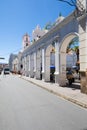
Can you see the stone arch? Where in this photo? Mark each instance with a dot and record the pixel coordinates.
(47, 62)
(63, 46)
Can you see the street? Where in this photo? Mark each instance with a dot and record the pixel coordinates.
(24, 106)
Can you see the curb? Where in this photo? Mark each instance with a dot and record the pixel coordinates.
(58, 94)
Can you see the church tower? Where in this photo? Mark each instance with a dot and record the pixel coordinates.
(26, 41)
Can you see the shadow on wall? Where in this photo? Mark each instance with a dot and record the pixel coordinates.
(83, 26)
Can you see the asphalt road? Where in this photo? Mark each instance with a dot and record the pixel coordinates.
(24, 106)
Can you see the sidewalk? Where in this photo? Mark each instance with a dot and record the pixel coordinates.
(71, 94)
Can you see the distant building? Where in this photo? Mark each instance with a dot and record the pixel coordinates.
(11, 58)
(3, 65)
(15, 65)
(15, 62)
(26, 41)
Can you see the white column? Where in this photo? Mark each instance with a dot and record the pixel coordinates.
(35, 62)
(29, 63)
(25, 62)
(23, 66)
(56, 58)
(83, 44)
(83, 53)
(42, 60)
(38, 62)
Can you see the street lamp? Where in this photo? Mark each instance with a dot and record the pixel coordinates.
(2, 58)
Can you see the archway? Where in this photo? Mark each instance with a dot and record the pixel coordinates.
(63, 47)
(49, 63)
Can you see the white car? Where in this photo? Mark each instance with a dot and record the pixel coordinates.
(6, 71)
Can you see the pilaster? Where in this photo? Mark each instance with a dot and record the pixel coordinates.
(43, 64)
(38, 64)
(83, 53)
(56, 60)
(34, 64)
(31, 65)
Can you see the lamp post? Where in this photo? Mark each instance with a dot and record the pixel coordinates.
(2, 58)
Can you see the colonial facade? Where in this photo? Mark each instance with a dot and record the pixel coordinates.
(11, 58)
(36, 58)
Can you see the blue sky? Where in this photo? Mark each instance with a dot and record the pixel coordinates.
(20, 16)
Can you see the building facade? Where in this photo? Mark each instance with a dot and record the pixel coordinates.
(36, 58)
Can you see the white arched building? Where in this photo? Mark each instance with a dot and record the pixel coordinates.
(36, 58)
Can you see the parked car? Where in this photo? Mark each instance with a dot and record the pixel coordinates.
(6, 71)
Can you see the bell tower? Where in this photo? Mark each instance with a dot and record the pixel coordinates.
(26, 41)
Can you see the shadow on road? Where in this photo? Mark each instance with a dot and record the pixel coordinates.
(84, 129)
(74, 86)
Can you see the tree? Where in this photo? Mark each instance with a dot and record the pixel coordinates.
(70, 2)
(74, 46)
(77, 4)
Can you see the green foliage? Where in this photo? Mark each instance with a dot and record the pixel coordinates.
(73, 45)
